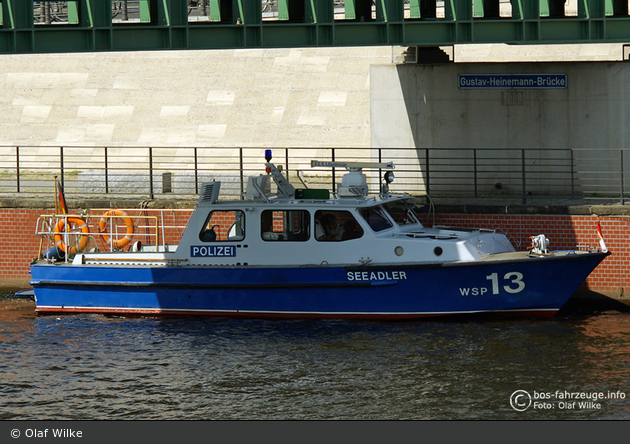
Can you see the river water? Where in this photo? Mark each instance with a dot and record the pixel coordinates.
(91, 367)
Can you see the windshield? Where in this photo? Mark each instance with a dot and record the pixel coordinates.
(376, 218)
(402, 212)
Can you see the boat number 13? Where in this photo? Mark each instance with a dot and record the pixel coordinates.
(514, 281)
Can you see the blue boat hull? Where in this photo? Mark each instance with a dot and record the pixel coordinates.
(525, 287)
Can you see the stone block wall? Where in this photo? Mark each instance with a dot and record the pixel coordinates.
(267, 97)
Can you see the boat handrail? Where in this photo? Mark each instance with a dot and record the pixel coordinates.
(431, 236)
(471, 230)
(132, 259)
(88, 216)
(149, 228)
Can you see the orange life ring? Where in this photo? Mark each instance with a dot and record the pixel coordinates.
(60, 230)
(128, 222)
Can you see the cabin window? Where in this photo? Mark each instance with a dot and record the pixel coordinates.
(402, 213)
(336, 226)
(376, 218)
(224, 226)
(285, 225)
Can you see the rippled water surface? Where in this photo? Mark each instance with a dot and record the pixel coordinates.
(95, 367)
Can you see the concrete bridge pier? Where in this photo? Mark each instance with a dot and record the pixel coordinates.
(548, 105)
(467, 105)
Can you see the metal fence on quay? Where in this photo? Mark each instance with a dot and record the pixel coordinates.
(152, 172)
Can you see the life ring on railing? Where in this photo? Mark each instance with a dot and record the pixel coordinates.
(128, 222)
(60, 230)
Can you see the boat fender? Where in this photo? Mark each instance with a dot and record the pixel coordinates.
(102, 225)
(54, 254)
(60, 229)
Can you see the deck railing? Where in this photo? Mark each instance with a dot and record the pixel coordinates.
(110, 230)
(152, 172)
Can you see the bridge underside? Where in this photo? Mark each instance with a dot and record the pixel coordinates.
(29, 26)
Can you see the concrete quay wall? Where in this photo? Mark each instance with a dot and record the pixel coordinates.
(222, 98)
(567, 227)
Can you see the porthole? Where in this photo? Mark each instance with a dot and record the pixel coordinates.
(399, 251)
(438, 251)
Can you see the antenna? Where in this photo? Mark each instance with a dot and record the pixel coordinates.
(352, 165)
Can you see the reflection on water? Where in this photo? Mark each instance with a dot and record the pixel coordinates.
(605, 345)
(16, 319)
(94, 367)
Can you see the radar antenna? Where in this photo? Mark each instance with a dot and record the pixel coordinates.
(354, 183)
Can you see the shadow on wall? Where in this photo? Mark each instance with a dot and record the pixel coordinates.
(443, 115)
(562, 141)
(574, 105)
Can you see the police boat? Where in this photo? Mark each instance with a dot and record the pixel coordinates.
(296, 253)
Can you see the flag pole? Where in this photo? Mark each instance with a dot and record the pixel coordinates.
(602, 244)
(56, 197)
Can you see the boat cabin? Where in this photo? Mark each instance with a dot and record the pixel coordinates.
(312, 227)
(286, 227)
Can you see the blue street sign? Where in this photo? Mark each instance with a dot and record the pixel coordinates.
(512, 81)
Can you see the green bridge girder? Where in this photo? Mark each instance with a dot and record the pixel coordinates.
(29, 26)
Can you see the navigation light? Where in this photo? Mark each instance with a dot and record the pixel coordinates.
(388, 177)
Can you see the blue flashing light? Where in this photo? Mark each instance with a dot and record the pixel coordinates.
(268, 155)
